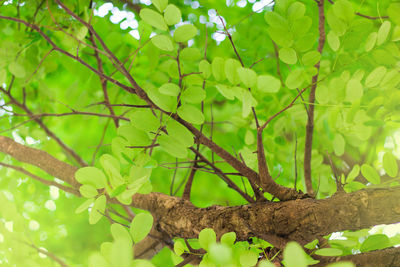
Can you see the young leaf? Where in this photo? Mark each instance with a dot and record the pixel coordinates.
(121, 253)
(205, 68)
(193, 94)
(88, 191)
(383, 32)
(190, 53)
(338, 145)
(375, 242)
(231, 66)
(228, 238)
(120, 232)
(153, 18)
(172, 14)
(160, 4)
(207, 237)
(343, 9)
(268, 84)
(294, 256)
(248, 258)
(311, 58)
(329, 252)
(84, 206)
(390, 164)
(374, 78)
(172, 146)
(180, 133)
(353, 173)
(226, 91)
(295, 79)
(170, 89)
(141, 226)
(288, 55)
(97, 209)
(145, 120)
(333, 41)
(393, 12)
(184, 33)
(296, 11)
(371, 41)
(248, 76)
(354, 90)
(17, 69)
(91, 176)
(163, 42)
(191, 114)
(218, 68)
(221, 254)
(370, 174)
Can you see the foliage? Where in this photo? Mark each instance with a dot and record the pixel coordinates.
(210, 103)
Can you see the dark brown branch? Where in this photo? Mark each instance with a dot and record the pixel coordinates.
(311, 100)
(369, 17)
(48, 254)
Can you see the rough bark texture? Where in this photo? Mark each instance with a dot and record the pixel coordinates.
(302, 220)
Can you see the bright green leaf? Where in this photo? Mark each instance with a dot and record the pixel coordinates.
(193, 94)
(226, 91)
(248, 76)
(184, 33)
(296, 11)
(248, 258)
(231, 66)
(153, 18)
(329, 252)
(172, 146)
(370, 174)
(375, 77)
(295, 79)
(163, 42)
(333, 41)
(218, 68)
(294, 256)
(207, 237)
(228, 238)
(88, 191)
(170, 89)
(390, 164)
(375, 242)
(268, 84)
(97, 211)
(84, 206)
(383, 32)
(288, 55)
(141, 226)
(311, 58)
(353, 173)
(160, 4)
(91, 176)
(205, 68)
(17, 69)
(338, 145)
(172, 14)
(220, 253)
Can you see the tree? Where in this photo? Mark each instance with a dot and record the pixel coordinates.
(226, 133)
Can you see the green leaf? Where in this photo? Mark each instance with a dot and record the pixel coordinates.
(179, 247)
(333, 41)
(371, 41)
(191, 114)
(207, 237)
(248, 101)
(338, 145)
(294, 256)
(337, 25)
(163, 42)
(274, 19)
(180, 133)
(160, 4)
(375, 77)
(153, 18)
(354, 90)
(343, 9)
(296, 11)
(121, 253)
(288, 55)
(96, 260)
(370, 174)
(218, 68)
(265, 263)
(193, 94)
(17, 69)
(220, 253)
(268, 84)
(172, 14)
(118, 190)
(88, 191)
(390, 164)
(142, 263)
(205, 68)
(281, 36)
(184, 33)
(353, 173)
(145, 120)
(383, 32)
(226, 91)
(190, 54)
(228, 238)
(84, 206)
(393, 11)
(312, 245)
(311, 58)
(91, 176)
(231, 66)
(329, 252)
(170, 89)
(248, 76)
(141, 226)
(120, 232)
(172, 146)
(375, 242)
(295, 79)
(98, 209)
(248, 258)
